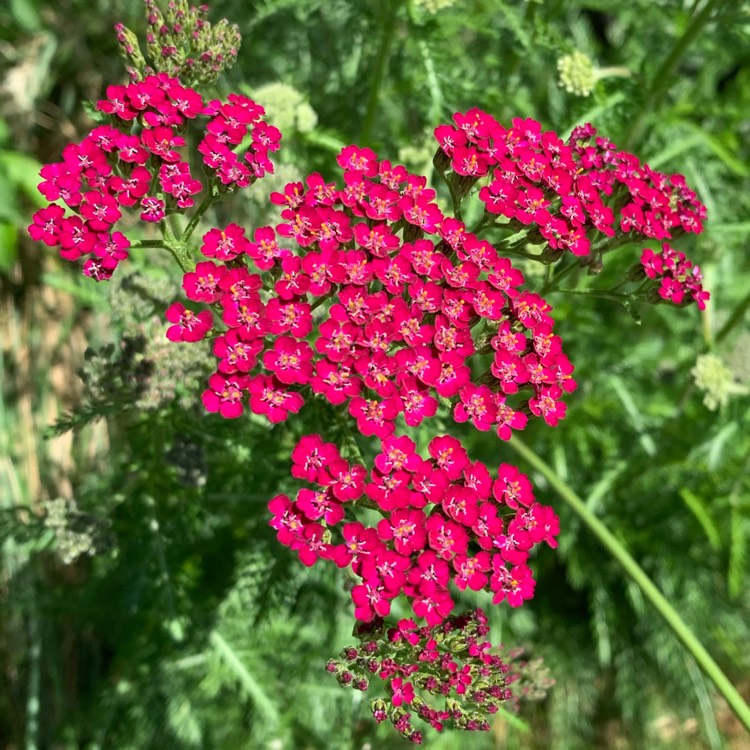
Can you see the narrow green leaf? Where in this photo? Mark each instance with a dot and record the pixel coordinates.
(680, 146)
(23, 172)
(252, 687)
(593, 113)
(737, 566)
(513, 720)
(26, 15)
(698, 508)
(738, 228)
(8, 246)
(737, 166)
(634, 413)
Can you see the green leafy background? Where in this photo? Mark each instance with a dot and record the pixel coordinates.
(189, 626)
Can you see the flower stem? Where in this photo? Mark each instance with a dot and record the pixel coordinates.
(139, 244)
(198, 215)
(178, 248)
(737, 315)
(637, 574)
(558, 277)
(381, 63)
(661, 79)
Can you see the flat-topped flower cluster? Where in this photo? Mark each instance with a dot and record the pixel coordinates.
(138, 162)
(412, 297)
(444, 520)
(564, 188)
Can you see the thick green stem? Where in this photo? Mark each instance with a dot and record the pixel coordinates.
(381, 64)
(647, 586)
(662, 78)
(178, 248)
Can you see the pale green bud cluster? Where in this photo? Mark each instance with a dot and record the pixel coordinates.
(716, 381)
(286, 108)
(182, 43)
(577, 73)
(74, 534)
(434, 6)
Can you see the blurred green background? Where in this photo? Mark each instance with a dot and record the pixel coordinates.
(145, 604)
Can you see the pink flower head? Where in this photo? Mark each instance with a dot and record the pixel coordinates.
(225, 244)
(371, 599)
(358, 159)
(375, 417)
(432, 602)
(320, 504)
(202, 285)
(478, 405)
(287, 520)
(47, 225)
(449, 455)
(224, 395)
(516, 585)
(348, 481)
(407, 530)
(403, 692)
(398, 453)
(446, 537)
(512, 488)
(188, 326)
(471, 572)
(290, 360)
(270, 397)
(311, 457)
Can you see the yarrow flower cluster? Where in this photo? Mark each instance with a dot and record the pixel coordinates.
(679, 280)
(445, 676)
(410, 314)
(571, 192)
(137, 162)
(444, 520)
(368, 296)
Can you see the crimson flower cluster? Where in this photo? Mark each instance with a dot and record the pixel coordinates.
(569, 191)
(444, 519)
(415, 297)
(447, 675)
(136, 162)
(679, 280)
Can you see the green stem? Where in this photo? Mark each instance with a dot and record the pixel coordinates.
(178, 248)
(637, 574)
(614, 296)
(140, 244)
(558, 277)
(661, 79)
(198, 215)
(737, 315)
(381, 64)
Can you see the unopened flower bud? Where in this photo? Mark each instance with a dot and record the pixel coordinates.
(716, 381)
(577, 75)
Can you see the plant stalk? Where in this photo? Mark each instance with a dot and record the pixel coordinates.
(661, 79)
(678, 626)
(381, 64)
